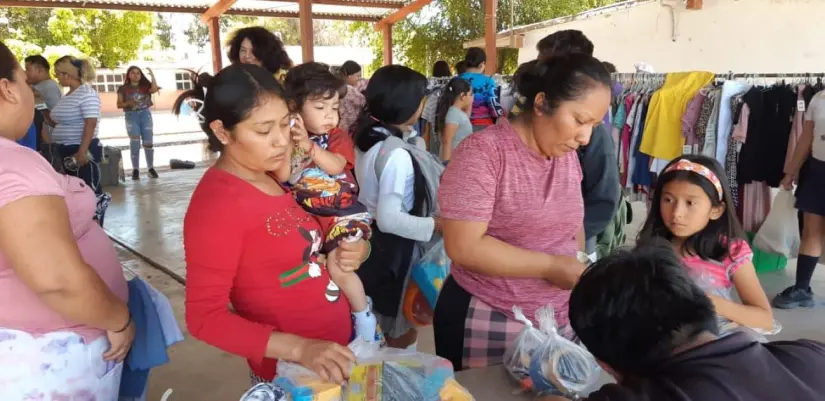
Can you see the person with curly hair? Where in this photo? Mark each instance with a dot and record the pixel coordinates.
(258, 46)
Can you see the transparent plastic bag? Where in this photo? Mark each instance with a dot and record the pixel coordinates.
(518, 355)
(780, 231)
(556, 366)
(430, 272)
(386, 374)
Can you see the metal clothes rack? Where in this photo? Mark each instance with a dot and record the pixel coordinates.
(728, 75)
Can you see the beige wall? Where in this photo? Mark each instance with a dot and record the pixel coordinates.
(727, 35)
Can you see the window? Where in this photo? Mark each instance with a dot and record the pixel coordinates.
(108, 82)
(183, 81)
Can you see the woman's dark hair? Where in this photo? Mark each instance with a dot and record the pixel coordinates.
(609, 67)
(460, 67)
(229, 96)
(562, 43)
(393, 96)
(712, 243)
(441, 69)
(475, 57)
(8, 63)
(144, 83)
(265, 46)
(310, 80)
(349, 67)
(454, 89)
(561, 79)
(633, 309)
(39, 61)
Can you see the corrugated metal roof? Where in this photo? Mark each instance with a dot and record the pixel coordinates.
(364, 10)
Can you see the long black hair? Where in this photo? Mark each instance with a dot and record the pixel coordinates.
(265, 46)
(454, 89)
(8, 63)
(229, 96)
(713, 242)
(560, 79)
(393, 96)
(143, 83)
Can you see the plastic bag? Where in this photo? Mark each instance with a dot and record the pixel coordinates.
(780, 231)
(554, 366)
(385, 374)
(430, 272)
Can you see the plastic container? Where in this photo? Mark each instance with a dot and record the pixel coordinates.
(764, 261)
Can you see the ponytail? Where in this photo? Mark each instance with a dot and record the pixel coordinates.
(452, 91)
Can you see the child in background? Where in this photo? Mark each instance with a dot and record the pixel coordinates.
(693, 209)
(452, 115)
(486, 104)
(320, 175)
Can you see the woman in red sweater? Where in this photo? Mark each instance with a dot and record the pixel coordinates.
(250, 244)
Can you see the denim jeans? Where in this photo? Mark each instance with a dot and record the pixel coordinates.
(140, 127)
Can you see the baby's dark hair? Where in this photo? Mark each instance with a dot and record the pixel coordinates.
(712, 243)
(229, 96)
(561, 79)
(452, 91)
(312, 80)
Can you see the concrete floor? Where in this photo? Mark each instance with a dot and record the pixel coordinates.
(147, 217)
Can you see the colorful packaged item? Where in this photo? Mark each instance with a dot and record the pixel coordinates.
(387, 374)
(416, 308)
(544, 362)
(430, 272)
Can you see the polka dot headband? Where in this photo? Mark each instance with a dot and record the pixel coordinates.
(687, 165)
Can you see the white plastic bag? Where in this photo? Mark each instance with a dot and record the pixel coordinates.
(780, 231)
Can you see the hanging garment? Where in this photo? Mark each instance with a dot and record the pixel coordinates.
(635, 138)
(734, 146)
(763, 155)
(725, 124)
(756, 199)
(702, 122)
(641, 171)
(664, 118)
(691, 118)
(796, 126)
(709, 149)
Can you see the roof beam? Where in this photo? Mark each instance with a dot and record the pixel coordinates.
(220, 7)
(399, 15)
(174, 9)
(358, 3)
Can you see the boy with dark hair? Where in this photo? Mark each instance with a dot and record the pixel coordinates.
(600, 170)
(654, 330)
(321, 179)
(47, 94)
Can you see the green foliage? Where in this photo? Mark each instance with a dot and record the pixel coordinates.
(22, 49)
(52, 53)
(439, 31)
(163, 32)
(111, 37)
(27, 24)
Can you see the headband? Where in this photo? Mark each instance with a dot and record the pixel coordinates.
(687, 165)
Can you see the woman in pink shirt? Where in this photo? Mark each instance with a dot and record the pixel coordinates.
(512, 211)
(64, 324)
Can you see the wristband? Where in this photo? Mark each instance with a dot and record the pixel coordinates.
(128, 323)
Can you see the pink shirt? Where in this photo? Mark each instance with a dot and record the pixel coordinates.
(528, 201)
(719, 275)
(24, 173)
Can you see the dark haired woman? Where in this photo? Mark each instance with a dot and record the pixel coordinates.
(135, 98)
(258, 46)
(486, 106)
(452, 116)
(249, 243)
(352, 102)
(64, 324)
(398, 180)
(441, 69)
(512, 210)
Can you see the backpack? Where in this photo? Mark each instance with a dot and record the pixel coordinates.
(613, 237)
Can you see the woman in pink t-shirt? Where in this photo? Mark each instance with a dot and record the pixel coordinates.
(513, 213)
(64, 324)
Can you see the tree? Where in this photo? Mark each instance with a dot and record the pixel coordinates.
(163, 32)
(111, 37)
(26, 24)
(197, 33)
(439, 31)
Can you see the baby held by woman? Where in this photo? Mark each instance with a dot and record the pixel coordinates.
(320, 176)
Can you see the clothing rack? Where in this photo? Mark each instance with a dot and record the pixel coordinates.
(728, 75)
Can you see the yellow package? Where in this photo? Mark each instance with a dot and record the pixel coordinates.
(321, 390)
(365, 382)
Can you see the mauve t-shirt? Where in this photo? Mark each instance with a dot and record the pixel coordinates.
(527, 200)
(24, 173)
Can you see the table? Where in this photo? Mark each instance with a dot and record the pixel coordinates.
(493, 384)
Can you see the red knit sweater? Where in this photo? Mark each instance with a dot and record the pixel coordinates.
(259, 253)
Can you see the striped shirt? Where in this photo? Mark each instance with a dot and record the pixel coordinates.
(71, 112)
(527, 200)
